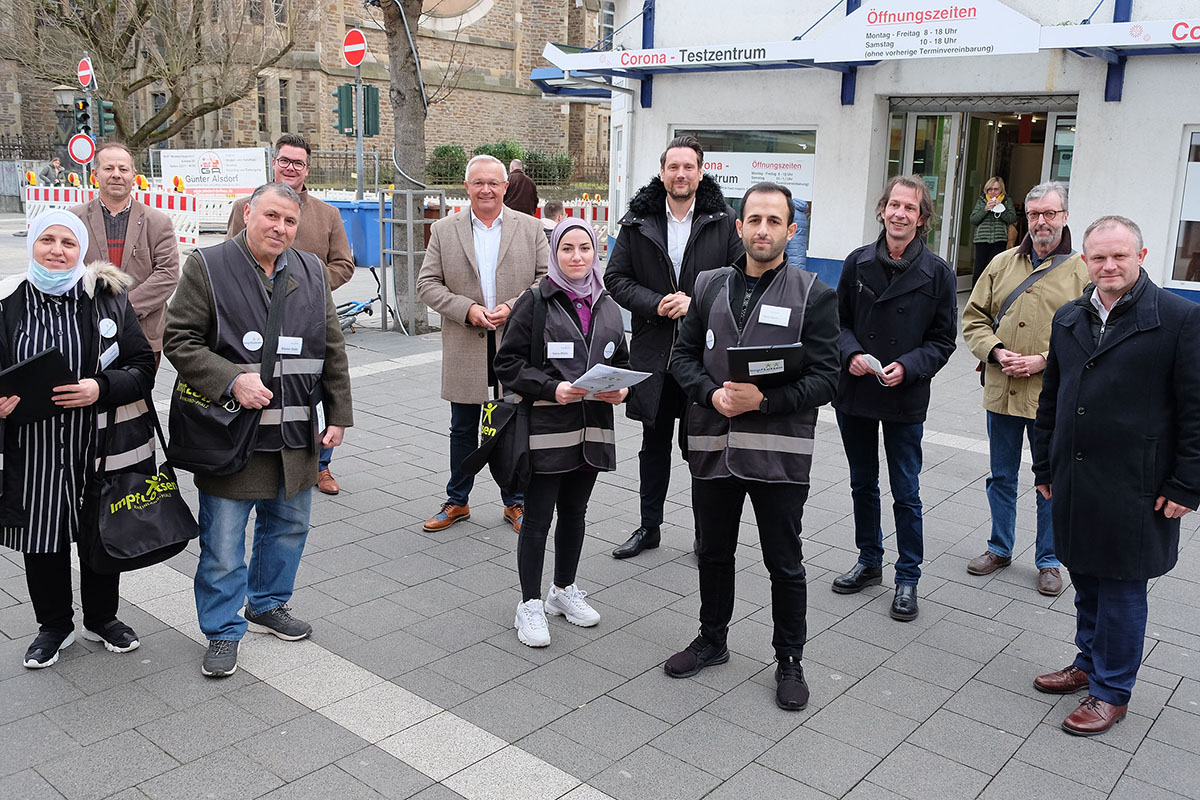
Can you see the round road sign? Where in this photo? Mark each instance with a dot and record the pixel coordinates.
(354, 47)
(81, 148)
(84, 71)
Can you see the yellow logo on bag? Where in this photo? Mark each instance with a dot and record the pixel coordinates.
(487, 428)
(189, 395)
(157, 486)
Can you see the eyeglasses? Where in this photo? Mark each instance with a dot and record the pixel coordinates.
(493, 185)
(288, 163)
(1049, 216)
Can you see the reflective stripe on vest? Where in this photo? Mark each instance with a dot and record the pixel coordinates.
(550, 441)
(278, 416)
(293, 366)
(125, 429)
(747, 440)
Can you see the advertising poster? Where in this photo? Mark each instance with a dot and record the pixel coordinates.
(223, 173)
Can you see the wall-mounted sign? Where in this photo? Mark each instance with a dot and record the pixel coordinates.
(228, 172)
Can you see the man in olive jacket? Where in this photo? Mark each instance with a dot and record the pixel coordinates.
(1117, 447)
(216, 344)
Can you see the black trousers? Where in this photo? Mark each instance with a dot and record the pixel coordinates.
(778, 508)
(569, 492)
(984, 253)
(654, 459)
(48, 576)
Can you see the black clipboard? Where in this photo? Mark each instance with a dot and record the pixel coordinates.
(765, 367)
(33, 380)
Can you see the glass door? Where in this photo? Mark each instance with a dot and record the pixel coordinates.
(932, 152)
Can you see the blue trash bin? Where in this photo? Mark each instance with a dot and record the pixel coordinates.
(361, 220)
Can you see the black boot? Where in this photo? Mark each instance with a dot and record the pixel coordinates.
(904, 605)
(857, 579)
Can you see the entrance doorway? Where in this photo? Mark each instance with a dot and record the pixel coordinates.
(957, 151)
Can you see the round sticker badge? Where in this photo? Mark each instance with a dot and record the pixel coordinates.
(709, 339)
(609, 349)
(253, 340)
(108, 328)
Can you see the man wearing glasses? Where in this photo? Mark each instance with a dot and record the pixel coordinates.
(1006, 324)
(321, 233)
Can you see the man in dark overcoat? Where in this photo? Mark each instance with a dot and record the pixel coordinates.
(1117, 449)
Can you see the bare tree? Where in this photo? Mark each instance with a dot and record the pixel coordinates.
(203, 55)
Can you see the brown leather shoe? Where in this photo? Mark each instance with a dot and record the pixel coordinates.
(1049, 582)
(1065, 681)
(513, 515)
(1093, 717)
(449, 515)
(326, 483)
(987, 563)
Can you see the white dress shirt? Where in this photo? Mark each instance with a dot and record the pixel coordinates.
(487, 252)
(678, 233)
(1104, 312)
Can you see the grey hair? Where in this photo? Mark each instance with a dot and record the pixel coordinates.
(1043, 189)
(1114, 221)
(281, 189)
(485, 158)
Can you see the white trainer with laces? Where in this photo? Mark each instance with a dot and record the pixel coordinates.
(531, 624)
(569, 603)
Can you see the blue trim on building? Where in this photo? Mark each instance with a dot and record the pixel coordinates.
(829, 270)
(1186, 294)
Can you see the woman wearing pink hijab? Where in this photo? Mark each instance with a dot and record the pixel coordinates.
(571, 434)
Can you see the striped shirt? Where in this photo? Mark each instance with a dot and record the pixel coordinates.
(115, 228)
(55, 450)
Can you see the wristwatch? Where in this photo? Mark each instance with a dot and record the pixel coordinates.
(762, 407)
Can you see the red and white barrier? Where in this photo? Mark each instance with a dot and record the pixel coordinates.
(594, 212)
(181, 208)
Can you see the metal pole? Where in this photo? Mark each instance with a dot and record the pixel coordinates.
(383, 259)
(358, 130)
(409, 213)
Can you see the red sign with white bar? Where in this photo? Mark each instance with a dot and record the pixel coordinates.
(81, 148)
(84, 72)
(354, 47)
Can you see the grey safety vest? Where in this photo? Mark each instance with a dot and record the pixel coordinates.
(565, 437)
(125, 432)
(775, 448)
(240, 303)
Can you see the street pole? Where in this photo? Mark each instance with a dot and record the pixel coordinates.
(359, 116)
(92, 112)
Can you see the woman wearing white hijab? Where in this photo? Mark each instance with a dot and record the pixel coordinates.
(61, 303)
(571, 438)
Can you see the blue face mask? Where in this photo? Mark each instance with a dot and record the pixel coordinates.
(53, 281)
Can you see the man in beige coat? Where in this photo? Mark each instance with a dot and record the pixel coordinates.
(138, 239)
(477, 264)
(1015, 352)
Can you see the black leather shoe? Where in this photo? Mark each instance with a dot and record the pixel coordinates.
(642, 539)
(904, 605)
(858, 579)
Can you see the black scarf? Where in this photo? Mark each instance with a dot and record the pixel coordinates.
(894, 266)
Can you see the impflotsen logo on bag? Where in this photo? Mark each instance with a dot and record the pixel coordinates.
(488, 428)
(187, 394)
(157, 488)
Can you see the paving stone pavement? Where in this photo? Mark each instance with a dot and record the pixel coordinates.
(414, 684)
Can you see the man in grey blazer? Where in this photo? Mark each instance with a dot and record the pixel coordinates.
(477, 264)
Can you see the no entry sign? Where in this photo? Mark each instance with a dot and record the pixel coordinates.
(81, 148)
(354, 47)
(84, 71)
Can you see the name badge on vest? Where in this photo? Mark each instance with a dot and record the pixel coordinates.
(290, 345)
(775, 315)
(109, 355)
(560, 350)
(252, 341)
(709, 339)
(609, 349)
(108, 328)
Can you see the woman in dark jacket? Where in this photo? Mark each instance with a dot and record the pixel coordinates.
(571, 438)
(85, 313)
(992, 215)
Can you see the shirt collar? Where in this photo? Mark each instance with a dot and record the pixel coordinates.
(686, 217)
(476, 222)
(128, 206)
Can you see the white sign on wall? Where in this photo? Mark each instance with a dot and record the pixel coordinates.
(883, 30)
(225, 172)
(737, 172)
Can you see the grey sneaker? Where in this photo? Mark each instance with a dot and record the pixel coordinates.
(279, 621)
(221, 658)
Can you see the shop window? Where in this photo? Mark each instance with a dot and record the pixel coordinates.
(263, 125)
(604, 24)
(283, 105)
(1187, 247)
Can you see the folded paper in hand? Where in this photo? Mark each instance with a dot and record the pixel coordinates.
(603, 378)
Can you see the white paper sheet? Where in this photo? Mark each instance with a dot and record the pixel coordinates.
(603, 378)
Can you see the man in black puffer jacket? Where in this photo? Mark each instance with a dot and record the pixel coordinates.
(678, 225)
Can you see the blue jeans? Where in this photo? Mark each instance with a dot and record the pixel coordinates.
(464, 440)
(1110, 631)
(324, 459)
(1004, 443)
(223, 582)
(902, 445)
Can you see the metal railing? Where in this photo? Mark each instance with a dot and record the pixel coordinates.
(404, 273)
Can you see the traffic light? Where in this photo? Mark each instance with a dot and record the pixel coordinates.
(108, 119)
(370, 111)
(345, 108)
(83, 116)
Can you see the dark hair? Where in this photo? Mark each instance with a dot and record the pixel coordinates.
(1113, 221)
(293, 140)
(112, 146)
(276, 187)
(766, 187)
(683, 141)
(915, 183)
(552, 209)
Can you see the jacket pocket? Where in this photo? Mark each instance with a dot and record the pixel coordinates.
(1149, 466)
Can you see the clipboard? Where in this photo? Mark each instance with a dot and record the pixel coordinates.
(772, 365)
(33, 380)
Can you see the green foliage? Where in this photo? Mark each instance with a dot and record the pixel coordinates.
(506, 151)
(565, 165)
(540, 167)
(447, 164)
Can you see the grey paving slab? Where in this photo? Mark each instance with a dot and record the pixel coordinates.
(107, 713)
(106, 767)
(329, 781)
(1015, 713)
(224, 775)
(385, 773)
(650, 774)
(511, 711)
(564, 752)
(299, 746)
(1166, 767)
(202, 729)
(756, 780)
(712, 744)
(31, 741)
(27, 785)
(916, 773)
(902, 694)
(819, 761)
(966, 741)
(570, 680)
(669, 699)
(862, 725)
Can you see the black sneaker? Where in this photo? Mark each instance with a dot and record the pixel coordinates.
(699, 654)
(220, 659)
(46, 647)
(279, 621)
(116, 635)
(791, 690)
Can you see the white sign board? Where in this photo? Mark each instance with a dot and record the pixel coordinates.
(737, 172)
(227, 172)
(882, 30)
(1147, 33)
(685, 56)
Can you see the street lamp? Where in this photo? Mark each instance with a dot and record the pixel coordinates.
(64, 96)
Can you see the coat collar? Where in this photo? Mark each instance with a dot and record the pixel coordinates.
(921, 272)
(1142, 316)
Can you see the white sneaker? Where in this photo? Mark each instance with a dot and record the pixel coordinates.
(569, 603)
(531, 624)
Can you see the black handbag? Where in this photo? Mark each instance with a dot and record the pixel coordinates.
(212, 438)
(131, 519)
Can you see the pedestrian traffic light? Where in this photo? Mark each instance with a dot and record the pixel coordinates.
(370, 111)
(83, 116)
(108, 119)
(344, 108)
